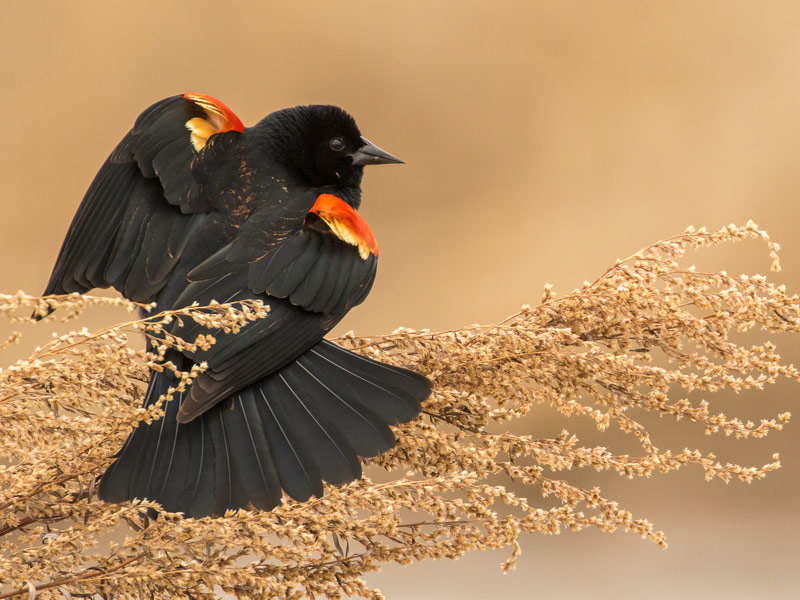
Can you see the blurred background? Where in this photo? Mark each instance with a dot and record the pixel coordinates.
(543, 141)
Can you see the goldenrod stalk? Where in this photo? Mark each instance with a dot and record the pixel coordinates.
(645, 334)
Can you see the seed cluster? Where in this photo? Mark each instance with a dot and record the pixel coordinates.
(649, 334)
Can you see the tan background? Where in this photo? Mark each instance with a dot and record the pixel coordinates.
(543, 140)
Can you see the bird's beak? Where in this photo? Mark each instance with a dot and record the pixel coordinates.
(370, 154)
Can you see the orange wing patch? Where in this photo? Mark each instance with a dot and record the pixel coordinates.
(346, 223)
(220, 119)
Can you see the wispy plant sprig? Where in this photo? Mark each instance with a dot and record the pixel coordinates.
(648, 336)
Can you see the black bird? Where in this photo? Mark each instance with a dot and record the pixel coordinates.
(192, 206)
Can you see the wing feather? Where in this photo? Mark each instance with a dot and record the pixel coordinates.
(142, 207)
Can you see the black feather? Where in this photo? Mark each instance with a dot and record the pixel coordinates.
(298, 474)
(255, 474)
(312, 280)
(265, 271)
(329, 448)
(294, 272)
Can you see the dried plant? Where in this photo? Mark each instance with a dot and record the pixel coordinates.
(644, 335)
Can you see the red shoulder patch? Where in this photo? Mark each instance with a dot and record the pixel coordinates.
(346, 223)
(220, 119)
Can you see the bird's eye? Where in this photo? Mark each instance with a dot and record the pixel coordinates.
(337, 144)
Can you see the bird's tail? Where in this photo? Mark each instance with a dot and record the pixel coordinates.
(308, 422)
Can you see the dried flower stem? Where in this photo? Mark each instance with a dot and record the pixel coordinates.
(645, 335)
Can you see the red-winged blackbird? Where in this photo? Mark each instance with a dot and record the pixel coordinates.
(192, 206)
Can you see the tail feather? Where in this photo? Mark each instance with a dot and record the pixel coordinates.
(329, 449)
(366, 432)
(169, 457)
(222, 474)
(393, 393)
(253, 463)
(200, 501)
(307, 423)
(297, 472)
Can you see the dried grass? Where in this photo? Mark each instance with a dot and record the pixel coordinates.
(644, 335)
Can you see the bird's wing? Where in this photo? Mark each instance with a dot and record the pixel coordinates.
(316, 251)
(146, 200)
(310, 280)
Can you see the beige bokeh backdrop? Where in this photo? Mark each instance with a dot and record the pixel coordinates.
(543, 141)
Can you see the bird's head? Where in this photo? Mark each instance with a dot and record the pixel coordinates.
(319, 146)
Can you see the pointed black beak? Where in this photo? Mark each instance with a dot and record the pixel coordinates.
(370, 154)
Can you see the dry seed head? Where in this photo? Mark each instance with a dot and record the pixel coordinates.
(646, 334)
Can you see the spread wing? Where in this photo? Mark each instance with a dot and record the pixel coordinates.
(146, 200)
(310, 280)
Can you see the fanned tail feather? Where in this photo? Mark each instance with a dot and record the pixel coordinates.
(306, 423)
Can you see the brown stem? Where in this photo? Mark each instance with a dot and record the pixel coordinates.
(84, 576)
